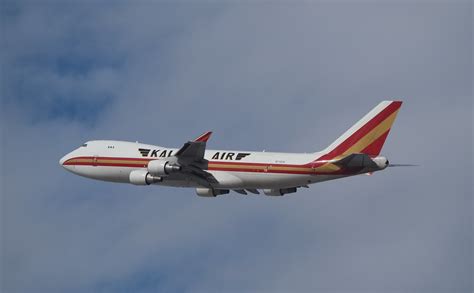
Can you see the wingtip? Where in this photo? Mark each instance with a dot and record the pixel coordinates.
(204, 137)
(399, 102)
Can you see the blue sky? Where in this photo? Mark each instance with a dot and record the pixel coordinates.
(275, 76)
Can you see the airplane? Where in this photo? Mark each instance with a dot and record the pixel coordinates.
(217, 172)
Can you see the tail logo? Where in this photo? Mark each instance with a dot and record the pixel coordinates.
(368, 135)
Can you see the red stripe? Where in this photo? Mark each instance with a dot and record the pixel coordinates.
(253, 164)
(338, 172)
(361, 132)
(376, 146)
(107, 158)
(107, 164)
(68, 162)
(144, 162)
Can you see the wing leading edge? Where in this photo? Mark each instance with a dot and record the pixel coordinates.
(191, 159)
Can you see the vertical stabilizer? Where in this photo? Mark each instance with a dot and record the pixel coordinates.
(368, 135)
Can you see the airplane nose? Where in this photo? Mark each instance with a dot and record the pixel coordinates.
(62, 160)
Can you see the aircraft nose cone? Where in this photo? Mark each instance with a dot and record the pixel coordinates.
(62, 160)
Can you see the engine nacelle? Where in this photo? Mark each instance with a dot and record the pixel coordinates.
(210, 192)
(143, 177)
(162, 168)
(381, 162)
(279, 192)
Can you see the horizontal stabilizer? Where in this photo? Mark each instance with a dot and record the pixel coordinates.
(356, 161)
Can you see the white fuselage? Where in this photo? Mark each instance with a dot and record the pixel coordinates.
(114, 160)
(215, 172)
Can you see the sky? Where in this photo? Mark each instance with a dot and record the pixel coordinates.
(280, 76)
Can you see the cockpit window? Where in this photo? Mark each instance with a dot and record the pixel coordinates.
(84, 145)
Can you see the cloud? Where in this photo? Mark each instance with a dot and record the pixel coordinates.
(275, 76)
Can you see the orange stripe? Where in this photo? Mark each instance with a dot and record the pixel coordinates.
(216, 166)
(363, 131)
(371, 136)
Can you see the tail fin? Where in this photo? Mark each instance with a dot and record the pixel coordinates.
(368, 135)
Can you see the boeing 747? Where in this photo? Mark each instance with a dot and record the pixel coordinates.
(216, 172)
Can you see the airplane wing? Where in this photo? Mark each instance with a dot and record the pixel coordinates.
(191, 159)
(194, 150)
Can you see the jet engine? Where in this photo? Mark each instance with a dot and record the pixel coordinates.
(279, 192)
(142, 177)
(162, 168)
(210, 192)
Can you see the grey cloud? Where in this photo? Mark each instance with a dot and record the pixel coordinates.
(286, 77)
